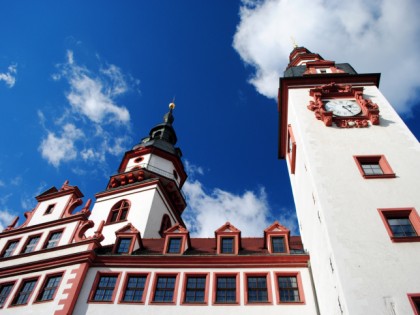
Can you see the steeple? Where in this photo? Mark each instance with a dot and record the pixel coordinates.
(163, 135)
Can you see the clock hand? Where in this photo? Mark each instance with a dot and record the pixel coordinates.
(345, 106)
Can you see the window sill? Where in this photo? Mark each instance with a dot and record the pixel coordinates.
(406, 239)
(379, 176)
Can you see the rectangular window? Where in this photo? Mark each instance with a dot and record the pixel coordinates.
(10, 248)
(174, 246)
(123, 245)
(49, 288)
(49, 209)
(402, 225)
(227, 245)
(105, 288)
(53, 239)
(31, 244)
(257, 289)
(374, 166)
(5, 290)
(277, 245)
(195, 289)
(288, 289)
(24, 293)
(164, 290)
(226, 289)
(134, 289)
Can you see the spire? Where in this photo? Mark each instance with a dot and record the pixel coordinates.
(162, 135)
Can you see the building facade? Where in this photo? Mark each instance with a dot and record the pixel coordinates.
(353, 167)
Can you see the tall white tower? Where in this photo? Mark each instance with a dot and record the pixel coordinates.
(146, 190)
(355, 173)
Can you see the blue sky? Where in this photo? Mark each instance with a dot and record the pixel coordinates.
(82, 82)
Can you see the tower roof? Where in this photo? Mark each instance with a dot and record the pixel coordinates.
(162, 135)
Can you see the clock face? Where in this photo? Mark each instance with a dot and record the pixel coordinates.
(343, 108)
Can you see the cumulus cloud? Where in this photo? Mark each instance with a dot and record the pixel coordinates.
(6, 217)
(374, 36)
(9, 77)
(207, 211)
(56, 149)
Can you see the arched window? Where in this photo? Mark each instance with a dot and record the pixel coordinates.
(166, 224)
(119, 211)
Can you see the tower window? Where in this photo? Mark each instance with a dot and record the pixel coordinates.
(174, 245)
(24, 293)
(227, 245)
(257, 289)
(53, 239)
(374, 166)
(49, 288)
(5, 290)
(49, 209)
(10, 248)
(277, 245)
(119, 211)
(31, 244)
(226, 289)
(195, 289)
(288, 289)
(164, 290)
(402, 225)
(134, 289)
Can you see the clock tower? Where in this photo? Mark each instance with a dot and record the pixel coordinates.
(354, 168)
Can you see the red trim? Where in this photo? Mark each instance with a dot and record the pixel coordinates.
(414, 299)
(310, 81)
(119, 207)
(379, 159)
(175, 293)
(74, 286)
(44, 283)
(124, 287)
(10, 293)
(269, 288)
(238, 287)
(22, 283)
(299, 284)
(409, 213)
(96, 283)
(206, 288)
(291, 149)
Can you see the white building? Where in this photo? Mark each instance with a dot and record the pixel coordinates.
(353, 166)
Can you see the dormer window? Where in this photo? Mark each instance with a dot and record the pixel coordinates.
(277, 244)
(177, 240)
(174, 246)
(276, 239)
(127, 240)
(119, 211)
(228, 239)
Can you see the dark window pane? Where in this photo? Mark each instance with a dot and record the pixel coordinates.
(164, 289)
(124, 245)
(195, 289)
(25, 291)
(226, 290)
(50, 288)
(257, 289)
(227, 245)
(134, 289)
(174, 246)
(105, 288)
(10, 248)
(401, 227)
(288, 287)
(53, 240)
(4, 293)
(278, 244)
(30, 246)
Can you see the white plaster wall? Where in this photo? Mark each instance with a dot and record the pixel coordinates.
(39, 216)
(68, 231)
(33, 307)
(102, 309)
(337, 209)
(131, 163)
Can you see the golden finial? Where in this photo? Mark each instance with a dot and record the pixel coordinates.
(172, 104)
(293, 42)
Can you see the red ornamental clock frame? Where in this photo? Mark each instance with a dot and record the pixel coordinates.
(370, 110)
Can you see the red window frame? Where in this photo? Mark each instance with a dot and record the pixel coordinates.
(96, 284)
(125, 288)
(19, 291)
(374, 159)
(206, 288)
(28, 240)
(44, 287)
(6, 247)
(414, 299)
(175, 289)
(299, 287)
(48, 239)
(291, 149)
(117, 210)
(237, 288)
(409, 213)
(268, 288)
(6, 297)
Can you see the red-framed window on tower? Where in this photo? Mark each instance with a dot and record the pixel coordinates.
(401, 224)
(373, 166)
(119, 212)
(414, 299)
(291, 149)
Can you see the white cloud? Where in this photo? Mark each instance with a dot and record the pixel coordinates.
(207, 212)
(57, 149)
(93, 97)
(9, 77)
(2, 183)
(6, 217)
(374, 36)
(192, 169)
(27, 201)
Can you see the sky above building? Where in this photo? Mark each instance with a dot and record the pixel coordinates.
(81, 82)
